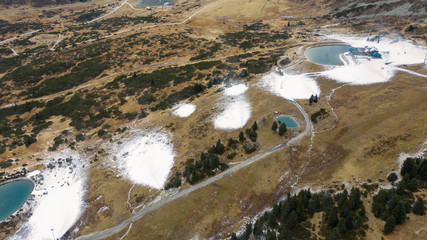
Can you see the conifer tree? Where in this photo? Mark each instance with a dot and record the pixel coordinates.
(419, 207)
(390, 225)
(242, 136)
(282, 129)
(274, 126)
(255, 126)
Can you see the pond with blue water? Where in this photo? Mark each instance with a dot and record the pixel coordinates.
(327, 54)
(289, 121)
(13, 195)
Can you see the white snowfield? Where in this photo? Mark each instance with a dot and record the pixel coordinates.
(290, 86)
(184, 110)
(236, 90)
(394, 53)
(374, 71)
(145, 158)
(59, 200)
(237, 110)
(399, 51)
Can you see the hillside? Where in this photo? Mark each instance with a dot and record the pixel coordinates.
(160, 122)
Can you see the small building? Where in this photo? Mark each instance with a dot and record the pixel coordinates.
(365, 51)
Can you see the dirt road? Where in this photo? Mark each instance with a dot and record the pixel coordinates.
(110, 231)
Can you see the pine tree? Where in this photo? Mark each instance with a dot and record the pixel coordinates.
(390, 225)
(219, 148)
(248, 231)
(292, 220)
(258, 227)
(311, 99)
(255, 126)
(333, 217)
(409, 168)
(392, 177)
(282, 129)
(334, 234)
(419, 207)
(274, 127)
(422, 171)
(242, 136)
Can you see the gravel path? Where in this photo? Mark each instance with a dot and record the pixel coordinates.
(110, 231)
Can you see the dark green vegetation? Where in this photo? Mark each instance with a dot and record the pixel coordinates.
(260, 65)
(393, 205)
(249, 39)
(315, 117)
(6, 163)
(79, 74)
(282, 128)
(18, 28)
(87, 16)
(149, 83)
(354, 9)
(210, 161)
(38, 72)
(343, 214)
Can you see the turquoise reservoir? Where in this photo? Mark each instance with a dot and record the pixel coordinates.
(289, 121)
(13, 195)
(326, 54)
(146, 3)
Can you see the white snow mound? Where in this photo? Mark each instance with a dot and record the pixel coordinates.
(364, 73)
(59, 201)
(184, 110)
(146, 159)
(395, 52)
(290, 86)
(236, 90)
(235, 115)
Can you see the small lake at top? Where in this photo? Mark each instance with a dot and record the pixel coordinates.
(13, 195)
(146, 3)
(327, 54)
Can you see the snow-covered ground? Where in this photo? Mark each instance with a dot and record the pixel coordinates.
(145, 158)
(290, 86)
(399, 52)
(236, 90)
(59, 198)
(237, 109)
(369, 72)
(184, 110)
(394, 53)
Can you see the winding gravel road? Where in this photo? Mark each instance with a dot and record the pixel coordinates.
(110, 231)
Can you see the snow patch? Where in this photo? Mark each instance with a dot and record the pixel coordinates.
(236, 90)
(290, 86)
(395, 52)
(184, 110)
(235, 115)
(59, 199)
(237, 110)
(368, 71)
(146, 158)
(374, 71)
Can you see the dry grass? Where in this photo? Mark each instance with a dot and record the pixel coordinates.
(376, 123)
(371, 132)
(219, 208)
